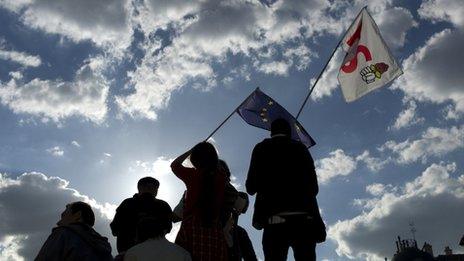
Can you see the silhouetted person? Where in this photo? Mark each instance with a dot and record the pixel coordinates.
(283, 176)
(201, 231)
(230, 196)
(74, 238)
(153, 244)
(143, 204)
(242, 248)
(461, 242)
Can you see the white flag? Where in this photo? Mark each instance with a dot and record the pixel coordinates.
(368, 63)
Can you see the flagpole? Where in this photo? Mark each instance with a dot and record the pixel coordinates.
(230, 115)
(326, 64)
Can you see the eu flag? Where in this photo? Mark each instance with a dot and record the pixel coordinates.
(260, 110)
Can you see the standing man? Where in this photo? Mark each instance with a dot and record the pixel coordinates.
(74, 238)
(283, 176)
(144, 204)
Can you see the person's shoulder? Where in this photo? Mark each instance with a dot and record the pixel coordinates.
(61, 231)
(177, 248)
(161, 202)
(130, 200)
(136, 248)
(127, 203)
(263, 144)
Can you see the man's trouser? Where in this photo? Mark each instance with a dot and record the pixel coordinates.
(296, 232)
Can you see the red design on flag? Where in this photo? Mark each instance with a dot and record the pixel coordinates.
(360, 75)
(352, 64)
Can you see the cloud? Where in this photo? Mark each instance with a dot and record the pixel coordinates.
(434, 201)
(394, 23)
(45, 198)
(372, 163)
(56, 151)
(433, 142)
(85, 96)
(376, 189)
(340, 164)
(443, 10)
(432, 73)
(211, 31)
(106, 23)
(276, 68)
(328, 81)
(407, 117)
(22, 58)
(337, 164)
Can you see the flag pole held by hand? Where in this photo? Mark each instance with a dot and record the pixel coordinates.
(230, 115)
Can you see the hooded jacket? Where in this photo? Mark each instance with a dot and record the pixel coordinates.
(76, 241)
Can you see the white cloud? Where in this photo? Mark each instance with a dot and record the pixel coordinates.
(372, 163)
(434, 201)
(212, 31)
(44, 198)
(75, 143)
(106, 23)
(22, 58)
(276, 68)
(376, 189)
(328, 81)
(394, 23)
(433, 142)
(407, 117)
(451, 113)
(85, 96)
(443, 10)
(340, 164)
(56, 151)
(10, 247)
(337, 164)
(433, 72)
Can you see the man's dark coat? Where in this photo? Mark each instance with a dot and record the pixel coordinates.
(283, 176)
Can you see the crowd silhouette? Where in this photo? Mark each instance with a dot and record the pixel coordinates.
(281, 175)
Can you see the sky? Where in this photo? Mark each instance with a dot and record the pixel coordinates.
(97, 94)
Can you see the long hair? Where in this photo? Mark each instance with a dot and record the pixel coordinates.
(205, 159)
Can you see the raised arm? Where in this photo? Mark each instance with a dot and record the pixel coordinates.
(177, 168)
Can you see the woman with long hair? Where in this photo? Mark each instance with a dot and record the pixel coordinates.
(201, 231)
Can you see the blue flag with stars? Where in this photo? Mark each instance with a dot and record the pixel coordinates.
(260, 110)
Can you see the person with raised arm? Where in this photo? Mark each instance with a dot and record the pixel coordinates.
(201, 232)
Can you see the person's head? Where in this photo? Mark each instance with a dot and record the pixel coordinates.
(223, 165)
(150, 227)
(148, 185)
(281, 126)
(204, 156)
(77, 212)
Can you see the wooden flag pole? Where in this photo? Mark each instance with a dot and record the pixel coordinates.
(230, 115)
(326, 64)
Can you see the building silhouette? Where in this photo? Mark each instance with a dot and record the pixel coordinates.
(408, 250)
